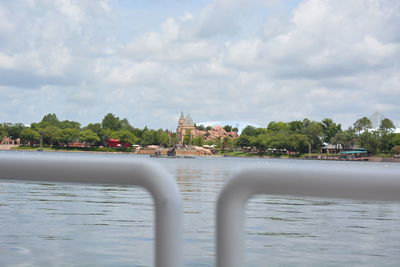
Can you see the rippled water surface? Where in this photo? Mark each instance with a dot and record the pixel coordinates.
(44, 224)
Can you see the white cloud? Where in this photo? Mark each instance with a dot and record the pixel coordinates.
(6, 27)
(390, 85)
(186, 17)
(124, 72)
(73, 12)
(245, 53)
(374, 52)
(6, 61)
(168, 45)
(227, 60)
(170, 29)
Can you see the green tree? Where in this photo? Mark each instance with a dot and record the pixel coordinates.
(187, 138)
(14, 130)
(51, 119)
(30, 136)
(278, 126)
(306, 122)
(108, 133)
(244, 141)
(249, 131)
(298, 143)
(69, 125)
(125, 125)
(369, 141)
(279, 141)
(227, 143)
(362, 124)
(198, 141)
(330, 129)
(66, 136)
(314, 132)
(48, 135)
(218, 144)
(161, 137)
(125, 136)
(148, 138)
(112, 122)
(88, 136)
(386, 135)
(227, 128)
(387, 125)
(295, 126)
(346, 138)
(210, 142)
(3, 131)
(396, 150)
(395, 140)
(386, 138)
(261, 142)
(200, 127)
(173, 140)
(138, 132)
(153, 137)
(98, 130)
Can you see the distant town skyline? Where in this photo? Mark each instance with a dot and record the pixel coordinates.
(219, 60)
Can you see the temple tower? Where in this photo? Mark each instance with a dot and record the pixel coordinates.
(181, 120)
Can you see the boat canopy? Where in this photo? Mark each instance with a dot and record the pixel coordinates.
(354, 152)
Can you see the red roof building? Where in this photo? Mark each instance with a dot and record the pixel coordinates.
(116, 143)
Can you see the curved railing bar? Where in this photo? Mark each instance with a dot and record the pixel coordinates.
(356, 183)
(167, 199)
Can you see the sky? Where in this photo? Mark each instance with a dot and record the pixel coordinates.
(245, 60)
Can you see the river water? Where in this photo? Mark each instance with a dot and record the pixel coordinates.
(46, 224)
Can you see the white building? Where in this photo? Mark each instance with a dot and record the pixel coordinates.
(376, 119)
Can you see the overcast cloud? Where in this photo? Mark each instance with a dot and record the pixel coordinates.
(253, 61)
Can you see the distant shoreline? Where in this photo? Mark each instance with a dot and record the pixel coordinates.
(68, 151)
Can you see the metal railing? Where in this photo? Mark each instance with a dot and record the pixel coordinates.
(356, 183)
(167, 200)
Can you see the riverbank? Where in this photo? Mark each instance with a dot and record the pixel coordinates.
(332, 157)
(105, 151)
(8, 147)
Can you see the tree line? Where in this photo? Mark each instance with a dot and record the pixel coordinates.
(50, 131)
(304, 136)
(308, 136)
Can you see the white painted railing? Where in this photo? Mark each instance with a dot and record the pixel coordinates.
(167, 200)
(356, 183)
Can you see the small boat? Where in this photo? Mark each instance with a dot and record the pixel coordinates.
(171, 154)
(354, 155)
